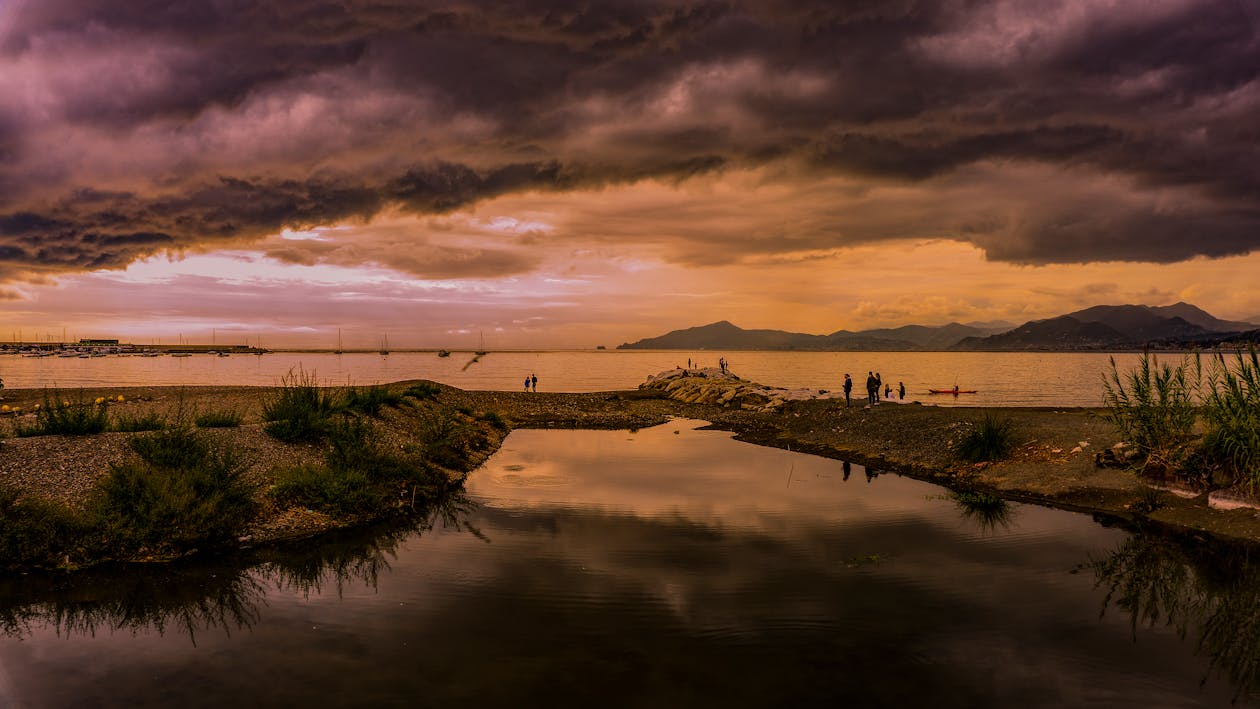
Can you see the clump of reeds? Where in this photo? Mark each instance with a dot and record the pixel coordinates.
(220, 418)
(299, 410)
(1231, 416)
(989, 440)
(63, 417)
(139, 422)
(1152, 407)
(179, 494)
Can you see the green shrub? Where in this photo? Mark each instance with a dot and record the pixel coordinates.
(139, 422)
(225, 418)
(357, 475)
(1152, 407)
(1231, 413)
(34, 532)
(181, 494)
(370, 400)
(992, 439)
(62, 417)
(423, 391)
(447, 440)
(319, 487)
(494, 419)
(299, 410)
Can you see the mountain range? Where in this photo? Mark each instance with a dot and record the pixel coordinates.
(1099, 327)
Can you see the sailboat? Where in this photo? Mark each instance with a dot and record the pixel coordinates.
(444, 353)
(482, 348)
(338, 350)
(385, 345)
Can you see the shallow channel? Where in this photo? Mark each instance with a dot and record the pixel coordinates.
(668, 566)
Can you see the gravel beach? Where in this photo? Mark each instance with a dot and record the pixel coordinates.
(1053, 464)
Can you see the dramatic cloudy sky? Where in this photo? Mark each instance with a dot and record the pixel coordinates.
(577, 173)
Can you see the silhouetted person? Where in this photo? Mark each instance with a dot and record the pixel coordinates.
(848, 389)
(887, 391)
(533, 379)
(847, 469)
(878, 383)
(870, 388)
(526, 383)
(901, 390)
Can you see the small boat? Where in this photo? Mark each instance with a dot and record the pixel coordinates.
(385, 345)
(482, 349)
(182, 354)
(224, 354)
(444, 353)
(955, 391)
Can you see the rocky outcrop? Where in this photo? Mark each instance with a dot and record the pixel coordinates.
(713, 386)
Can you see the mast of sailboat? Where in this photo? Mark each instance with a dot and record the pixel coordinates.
(385, 344)
(339, 350)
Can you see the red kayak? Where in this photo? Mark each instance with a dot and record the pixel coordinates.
(951, 391)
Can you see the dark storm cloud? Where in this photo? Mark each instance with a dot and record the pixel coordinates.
(172, 124)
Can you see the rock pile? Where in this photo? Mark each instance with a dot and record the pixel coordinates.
(713, 386)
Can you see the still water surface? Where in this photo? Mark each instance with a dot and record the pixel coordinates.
(663, 567)
(1000, 378)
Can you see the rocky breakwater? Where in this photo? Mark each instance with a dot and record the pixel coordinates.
(714, 386)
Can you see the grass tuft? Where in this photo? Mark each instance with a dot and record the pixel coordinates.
(139, 422)
(992, 439)
(63, 417)
(299, 410)
(423, 391)
(370, 400)
(224, 418)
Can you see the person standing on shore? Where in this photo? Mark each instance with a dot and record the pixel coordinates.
(533, 379)
(848, 389)
(870, 388)
(879, 382)
(526, 383)
(901, 390)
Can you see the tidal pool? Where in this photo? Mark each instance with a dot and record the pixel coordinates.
(663, 567)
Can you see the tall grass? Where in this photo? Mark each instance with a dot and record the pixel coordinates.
(63, 417)
(1152, 407)
(180, 494)
(1231, 414)
(991, 439)
(299, 410)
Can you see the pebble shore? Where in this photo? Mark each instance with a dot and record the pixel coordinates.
(1052, 465)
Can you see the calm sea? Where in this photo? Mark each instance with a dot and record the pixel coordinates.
(1006, 379)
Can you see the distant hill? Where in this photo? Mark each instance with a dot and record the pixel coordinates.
(724, 335)
(1111, 326)
(1197, 316)
(1099, 327)
(1062, 333)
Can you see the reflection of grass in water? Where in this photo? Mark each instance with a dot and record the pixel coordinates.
(225, 593)
(986, 510)
(1214, 590)
(185, 597)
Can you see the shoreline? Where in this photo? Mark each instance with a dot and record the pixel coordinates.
(1049, 467)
